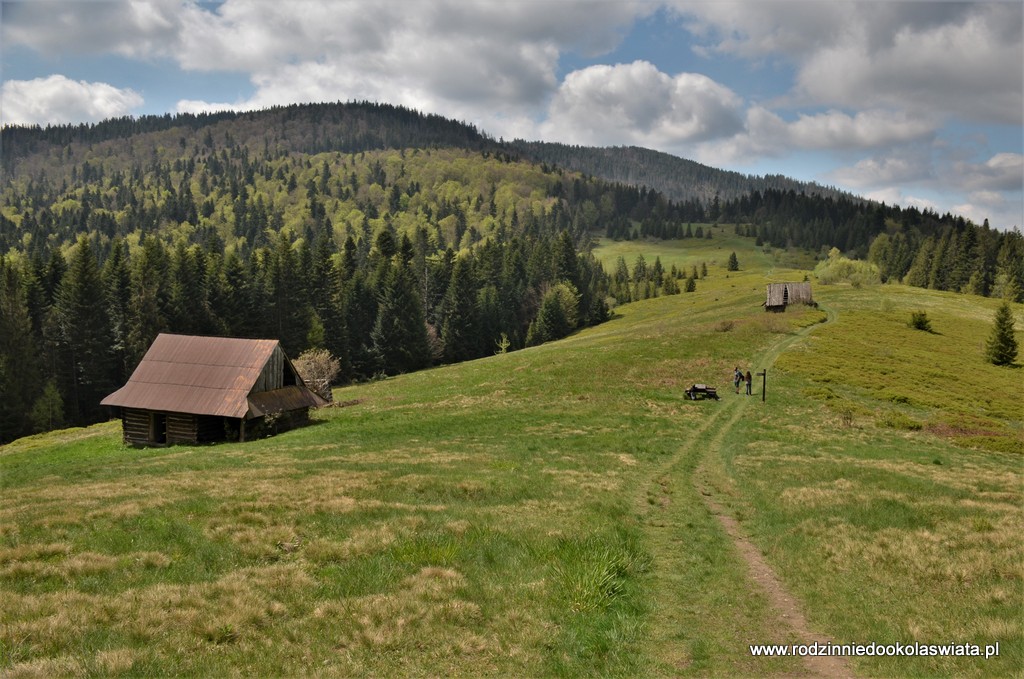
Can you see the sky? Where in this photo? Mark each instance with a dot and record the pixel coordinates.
(912, 102)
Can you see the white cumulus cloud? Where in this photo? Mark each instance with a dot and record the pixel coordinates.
(57, 100)
(1001, 172)
(494, 64)
(766, 133)
(957, 59)
(993, 206)
(638, 104)
(871, 172)
(141, 29)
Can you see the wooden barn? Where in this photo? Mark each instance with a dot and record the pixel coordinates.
(780, 295)
(190, 389)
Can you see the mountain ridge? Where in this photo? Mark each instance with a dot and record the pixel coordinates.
(679, 179)
(363, 126)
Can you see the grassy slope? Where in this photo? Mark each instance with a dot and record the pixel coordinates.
(536, 512)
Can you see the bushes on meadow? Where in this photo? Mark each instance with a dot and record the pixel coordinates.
(839, 269)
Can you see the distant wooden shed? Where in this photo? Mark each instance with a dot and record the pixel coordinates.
(191, 389)
(780, 295)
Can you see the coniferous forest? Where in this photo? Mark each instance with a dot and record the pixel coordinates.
(443, 249)
(395, 240)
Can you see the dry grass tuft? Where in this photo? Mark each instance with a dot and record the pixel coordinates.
(54, 561)
(608, 481)
(46, 668)
(361, 542)
(117, 661)
(31, 552)
(424, 610)
(822, 495)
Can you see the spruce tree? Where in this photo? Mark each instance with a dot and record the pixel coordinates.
(918, 273)
(489, 314)
(657, 270)
(359, 306)
(550, 323)
(458, 315)
(19, 362)
(290, 312)
(48, 409)
(150, 294)
(1001, 348)
(640, 272)
(117, 281)
(83, 336)
(234, 306)
(399, 334)
(734, 264)
(622, 274)
(566, 265)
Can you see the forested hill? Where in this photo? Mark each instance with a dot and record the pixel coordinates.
(677, 178)
(393, 239)
(299, 128)
(363, 126)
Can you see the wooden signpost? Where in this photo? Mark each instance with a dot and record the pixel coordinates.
(764, 383)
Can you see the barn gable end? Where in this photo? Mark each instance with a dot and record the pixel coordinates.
(779, 295)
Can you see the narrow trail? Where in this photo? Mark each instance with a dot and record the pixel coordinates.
(697, 459)
(787, 607)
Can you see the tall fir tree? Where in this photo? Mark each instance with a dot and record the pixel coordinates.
(1001, 348)
(399, 335)
(150, 285)
(458, 316)
(360, 310)
(117, 282)
(921, 266)
(84, 338)
(290, 313)
(19, 359)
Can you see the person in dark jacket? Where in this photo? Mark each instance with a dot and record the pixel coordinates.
(750, 382)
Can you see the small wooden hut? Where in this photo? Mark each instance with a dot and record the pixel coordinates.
(780, 295)
(190, 389)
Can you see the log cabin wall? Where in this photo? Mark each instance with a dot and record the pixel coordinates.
(210, 428)
(136, 426)
(182, 428)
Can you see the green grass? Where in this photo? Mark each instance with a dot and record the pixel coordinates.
(537, 513)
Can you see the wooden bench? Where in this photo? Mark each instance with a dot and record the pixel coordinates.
(702, 391)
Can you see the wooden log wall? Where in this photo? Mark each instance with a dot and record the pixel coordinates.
(210, 428)
(136, 426)
(272, 376)
(182, 428)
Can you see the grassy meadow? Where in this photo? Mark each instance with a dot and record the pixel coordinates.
(541, 513)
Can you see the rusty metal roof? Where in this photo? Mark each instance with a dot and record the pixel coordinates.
(202, 376)
(282, 400)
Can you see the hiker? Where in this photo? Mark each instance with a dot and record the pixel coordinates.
(737, 377)
(750, 382)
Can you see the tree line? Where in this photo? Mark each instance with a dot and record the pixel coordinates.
(915, 247)
(294, 223)
(678, 179)
(393, 261)
(73, 328)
